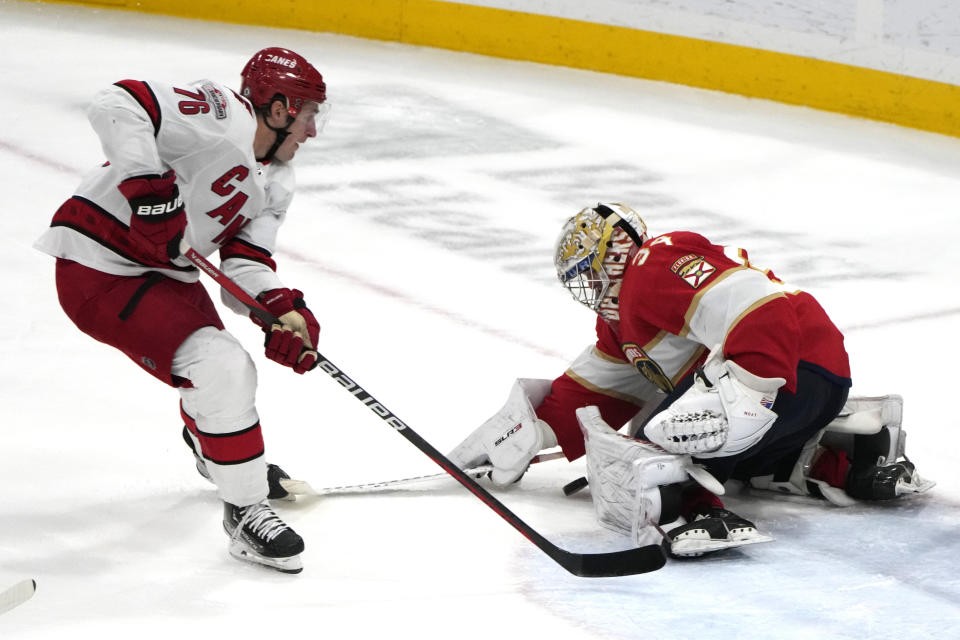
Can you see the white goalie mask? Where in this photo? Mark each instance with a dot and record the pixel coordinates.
(591, 253)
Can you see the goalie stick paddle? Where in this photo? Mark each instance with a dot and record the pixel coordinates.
(591, 565)
(17, 594)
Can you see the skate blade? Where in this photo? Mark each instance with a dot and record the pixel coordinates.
(915, 485)
(240, 551)
(689, 546)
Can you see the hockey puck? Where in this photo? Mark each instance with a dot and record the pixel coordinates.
(572, 487)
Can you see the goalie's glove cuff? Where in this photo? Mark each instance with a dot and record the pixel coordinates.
(726, 411)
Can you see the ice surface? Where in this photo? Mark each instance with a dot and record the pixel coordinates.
(421, 235)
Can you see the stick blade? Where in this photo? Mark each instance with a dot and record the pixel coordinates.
(618, 563)
(298, 487)
(17, 595)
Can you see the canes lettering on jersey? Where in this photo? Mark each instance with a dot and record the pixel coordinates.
(229, 212)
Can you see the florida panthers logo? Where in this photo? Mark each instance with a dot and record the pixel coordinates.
(694, 270)
(647, 366)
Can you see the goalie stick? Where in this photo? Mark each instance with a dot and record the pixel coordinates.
(303, 488)
(594, 565)
(17, 594)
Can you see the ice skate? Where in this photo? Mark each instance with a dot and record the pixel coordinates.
(887, 482)
(712, 529)
(258, 535)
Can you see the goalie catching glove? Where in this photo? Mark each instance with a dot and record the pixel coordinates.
(292, 341)
(511, 438)
(725, 412)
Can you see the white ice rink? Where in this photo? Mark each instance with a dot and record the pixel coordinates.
(421, 235)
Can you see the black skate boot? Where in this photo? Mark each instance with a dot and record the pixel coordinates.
(274, 473)
(712, 529)
(880, 469)
(880, 483)
(258, 535)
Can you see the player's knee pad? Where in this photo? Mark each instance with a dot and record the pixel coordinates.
(223, 378)
(220, 362)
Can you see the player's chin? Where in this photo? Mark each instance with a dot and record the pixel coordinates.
(285, 155)
(294, 149)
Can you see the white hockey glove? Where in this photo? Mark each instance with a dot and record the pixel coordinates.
(725, 412)
(625, 476)
(512, 437)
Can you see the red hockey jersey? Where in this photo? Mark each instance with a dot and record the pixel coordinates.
(681, 297)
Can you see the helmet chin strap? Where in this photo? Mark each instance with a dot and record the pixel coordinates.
(282, 133)
(281, 136)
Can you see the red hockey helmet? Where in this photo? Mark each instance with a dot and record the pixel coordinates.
(275, 70)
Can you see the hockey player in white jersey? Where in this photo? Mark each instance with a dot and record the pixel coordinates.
(201, 164)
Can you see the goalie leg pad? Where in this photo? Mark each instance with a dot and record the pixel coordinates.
(511, 438)
(869, 432)
(802, 480)
(634, 484)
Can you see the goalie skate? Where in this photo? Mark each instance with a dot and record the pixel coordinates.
(258, 535)
(886, 482)
(712, 530)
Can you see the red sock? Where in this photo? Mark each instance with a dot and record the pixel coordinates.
(831, 467)
(696, 499)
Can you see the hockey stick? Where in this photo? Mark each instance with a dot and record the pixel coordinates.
(303, 488)
(616, 563)
(17, 594)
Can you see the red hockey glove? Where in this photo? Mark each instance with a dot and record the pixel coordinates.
(292, 342)
(158, 219)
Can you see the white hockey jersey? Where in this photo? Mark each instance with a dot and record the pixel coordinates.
(204, 132)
